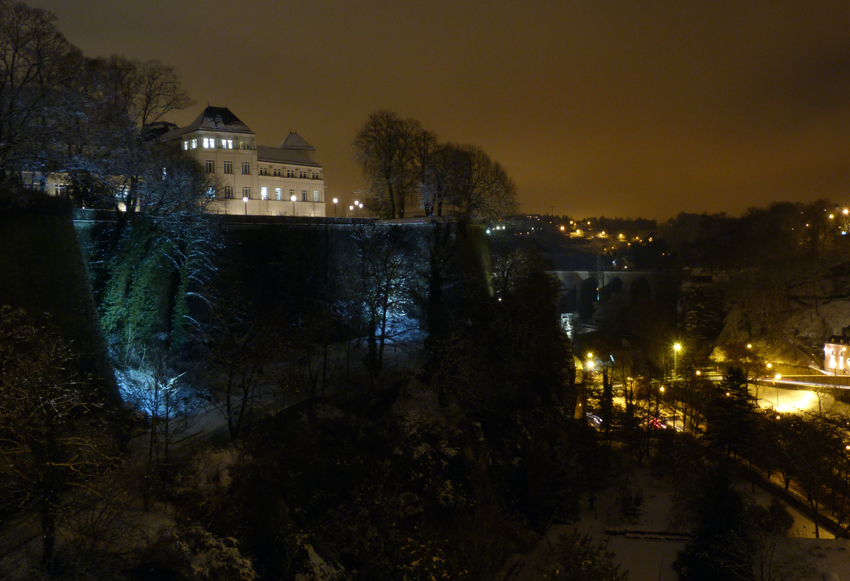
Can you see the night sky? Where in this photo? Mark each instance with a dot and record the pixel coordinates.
(640, 108)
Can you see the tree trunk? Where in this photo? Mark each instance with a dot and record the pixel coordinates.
(48, 532)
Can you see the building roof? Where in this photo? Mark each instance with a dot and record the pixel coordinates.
(295, 141)
(281, 155)
(293, 150)
(219, 119)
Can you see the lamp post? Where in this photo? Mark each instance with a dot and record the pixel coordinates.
(293, 203)
(245, 199)
(585, 380)
(335, 202)
(676, 348)
(356, 204)
(658, 405)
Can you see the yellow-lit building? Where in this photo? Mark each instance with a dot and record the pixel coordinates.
(836, 354)
(284, 180)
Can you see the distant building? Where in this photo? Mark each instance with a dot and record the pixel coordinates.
(836, 354)
(254, 179)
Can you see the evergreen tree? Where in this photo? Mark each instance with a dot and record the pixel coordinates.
(719, 548)
(731, 413)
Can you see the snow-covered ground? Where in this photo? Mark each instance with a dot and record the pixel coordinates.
(646, 542)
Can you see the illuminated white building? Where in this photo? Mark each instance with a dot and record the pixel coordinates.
(836, 352)
(253, 180)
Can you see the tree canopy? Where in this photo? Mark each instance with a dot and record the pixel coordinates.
(403, 163)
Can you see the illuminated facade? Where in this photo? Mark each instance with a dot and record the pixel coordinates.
(253, 180)
(836, 354)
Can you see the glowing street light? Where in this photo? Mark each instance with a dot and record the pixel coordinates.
(293, 204)
(335, 202)
(676, 348)
(245, 199)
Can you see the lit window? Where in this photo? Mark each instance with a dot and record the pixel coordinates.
(277, 193)
(246, 193)
(227, 143)
(264, 193)
(60, 190)
(185, 145)
(211, 192)
(210, 166)
(228, 191)
(207, 144)
(228, 167)
(246, 167)
(195, 144)
(315, 195)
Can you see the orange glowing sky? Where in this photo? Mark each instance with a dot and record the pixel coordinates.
(641, 108)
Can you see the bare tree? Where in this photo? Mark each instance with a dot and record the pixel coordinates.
(383, 279)
(438, 179)
(385, 147)
(239, 350)
(480, 187)
(117, 100)
(53, 431)
(37, 64)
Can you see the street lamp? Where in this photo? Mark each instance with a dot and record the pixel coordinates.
(245, 199)
(293, 203)
(335, 202)
(676, 348)
(658, 405)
